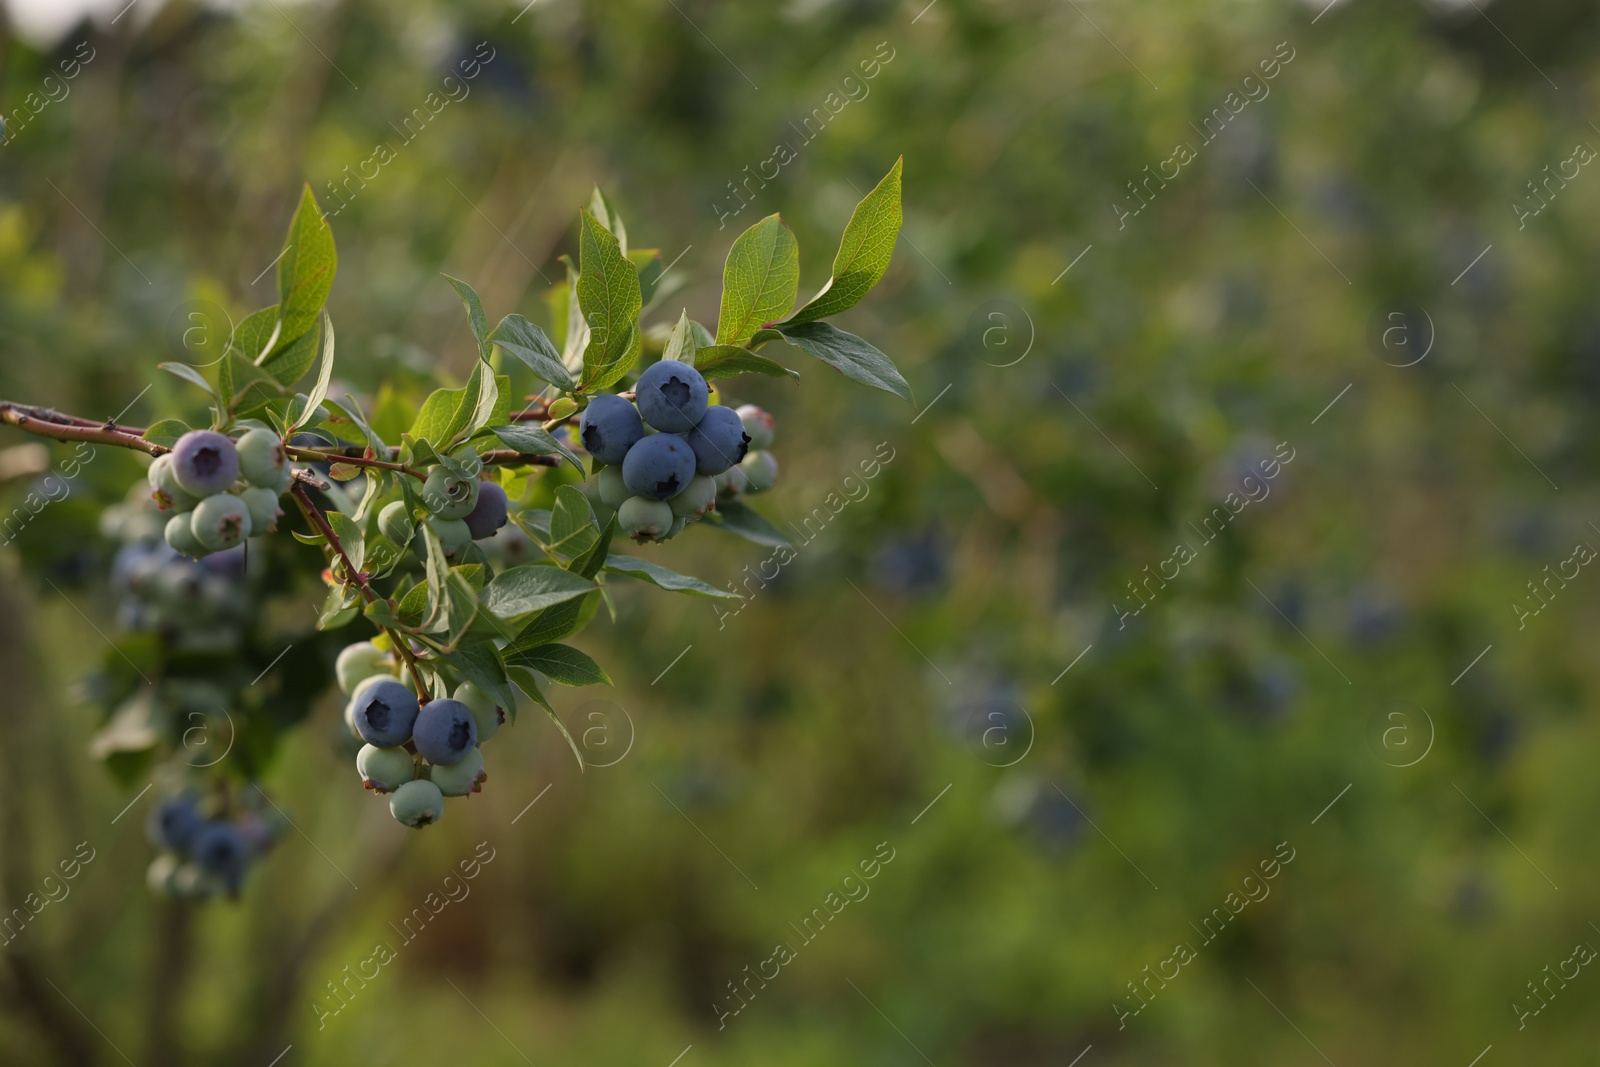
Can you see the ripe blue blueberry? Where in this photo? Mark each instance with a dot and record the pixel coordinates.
(173, 822)
(459, 778)
(760, 471)
(485, 712)
(395, 522)
(220, 521)
(384, 714)
(489, 513)
(759, 425)
(672, 396)
(416, 804)
(358, 662)
(659, 466)
(262, 459)
(205, 462)
(449, 496)
(609, 427)
(719, 442)
(697, 498)
(644, 519)
(262, 504)
(220, 852)
(613, 490)
(444, 731)
(179, 533)
(384, 770)
(164, 487)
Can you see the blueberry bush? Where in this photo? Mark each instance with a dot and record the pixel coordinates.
(460, 542)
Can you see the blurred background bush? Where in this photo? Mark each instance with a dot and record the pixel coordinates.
(1103, 353)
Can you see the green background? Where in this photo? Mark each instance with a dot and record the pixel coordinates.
(1074, 423)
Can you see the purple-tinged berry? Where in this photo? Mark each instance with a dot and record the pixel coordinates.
(485, 712)
(205, 462)
(173, 822)
(489, 513)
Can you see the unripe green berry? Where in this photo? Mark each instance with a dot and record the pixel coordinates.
(485, 712)
(179, 533)
(262, 504)
(164, 487)
(731, 484)
(384, 770)
(395, 522)
(360, 661)
(417, 803)
(612, 489)
(453, 535)
(459, 778)
(644, 519)
(697, 498)
(447, 496)
(760, 471)
(262, 459)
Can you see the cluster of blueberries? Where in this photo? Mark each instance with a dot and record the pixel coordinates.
(196, 604)
(221, 490)
(671, 455)
(459, 508)
(204, 855)
(419, 753)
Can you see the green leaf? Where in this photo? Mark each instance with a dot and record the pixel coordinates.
(575, 336)
(864, 250)
(589, 563)
(573, 530)
(319, 391)
(759, 280)
(352, 411)
(530, 344)
(551, 624)
(726, 361)
(702, 336)
(651, 268)
(436, 608)
(475, 315)
(534, 441)
(237, 376)
(289, 362)
(255, 333)
(849, 355)
(761, 337)
(305, 272)
(657, 575)
(737, 518)
(533, 587)
(190, 375)
(560, 663)
(351, 538)
(166, 432)
(482, 393)
(607, 216)
(433, 421)
(681, 346)
(339, 609)
(608, 293)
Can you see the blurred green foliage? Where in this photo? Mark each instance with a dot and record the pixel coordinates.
(1136, 370)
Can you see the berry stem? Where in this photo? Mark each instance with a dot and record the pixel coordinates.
(318, 520)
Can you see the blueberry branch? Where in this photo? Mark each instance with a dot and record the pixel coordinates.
(355, 460)
(357, 578)
(44, 422)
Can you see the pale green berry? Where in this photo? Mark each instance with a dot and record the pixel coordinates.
(453, 534)
(731, 484)
(760, 471)
(417, 803)
(612, 489)
(644, 519)
(395, 522)
(164, 487)
(360, 661)
(697, 498)
(385, 769)
(262, 460)
(221, 521)
(485, 711)
(462, 777)
(179, 533)
(263, 507)
(447, 496)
